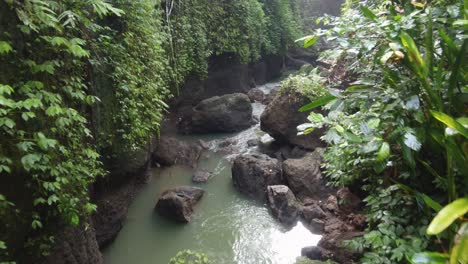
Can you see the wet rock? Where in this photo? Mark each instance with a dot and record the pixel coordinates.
(304, 176)
(256, 94)
(227, 113)
(205, 145)
(201, 176)
(281, 118)
(312, 252)
(178, 203)
(170, 151)
(253, 142)
(316, 226)
(226, 143)
(283, 204)
(251, 174)
(348, 202)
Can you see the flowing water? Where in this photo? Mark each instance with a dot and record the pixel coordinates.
(227, 226)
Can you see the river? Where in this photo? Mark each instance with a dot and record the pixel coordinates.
(227, 226)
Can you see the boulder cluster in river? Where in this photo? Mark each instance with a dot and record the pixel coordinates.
(287, 177)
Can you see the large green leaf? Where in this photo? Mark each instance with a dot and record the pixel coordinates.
(319, 102)
(457, 67)
(450, 122)
(460, 249)
(448, 215)
(415, 58)
(368, 13)
(384, 152)
(429, 258)
(308, 40)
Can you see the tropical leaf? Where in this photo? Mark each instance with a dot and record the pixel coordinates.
(460, 249)
(450, 122)
(384, 152)
(319, 102)
(448, 215)
(429, 258)
(368, 13)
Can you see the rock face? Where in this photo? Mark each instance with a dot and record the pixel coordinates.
(75, 245)
(201, 176)
(227, 113)
(178, 203)
(171, 151)
(251, 174)
(349, 202)
(304, 176)
(283, 204)
(281, 118)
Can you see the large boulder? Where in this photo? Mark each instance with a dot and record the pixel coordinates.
(304, 176)
(227, 113)
(252, 174)
(171, 151)
(201, 176)
(178, 203)
(256, 94)
(283, 204)
(281, 118)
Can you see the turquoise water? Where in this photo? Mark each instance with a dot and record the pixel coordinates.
(227, 226)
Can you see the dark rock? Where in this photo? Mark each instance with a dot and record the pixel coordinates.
(335, 249)
(227, 113)
(203, 144)
(201, 176)
(358, 221)
(332, 204)
(251, 174)
(226, 143)
(348, 202)
(109, 218)
(178, 203)
(304, 176)
(312, 211)
(316, 226)
(312, 252)
(170, 151)
(256, 94)
(75, 245)
(281, 118)
(270, 96)
(283, 204)
(253, 142)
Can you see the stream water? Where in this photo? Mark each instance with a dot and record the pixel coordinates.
(227, 226)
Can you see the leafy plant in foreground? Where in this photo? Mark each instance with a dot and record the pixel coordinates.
(401, 127)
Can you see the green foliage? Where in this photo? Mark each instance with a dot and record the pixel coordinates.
(446, 217)
(83, 86)
(401, 121)
(189, 257)
(307, 82)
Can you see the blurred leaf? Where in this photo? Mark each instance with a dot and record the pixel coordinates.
(448, 215)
